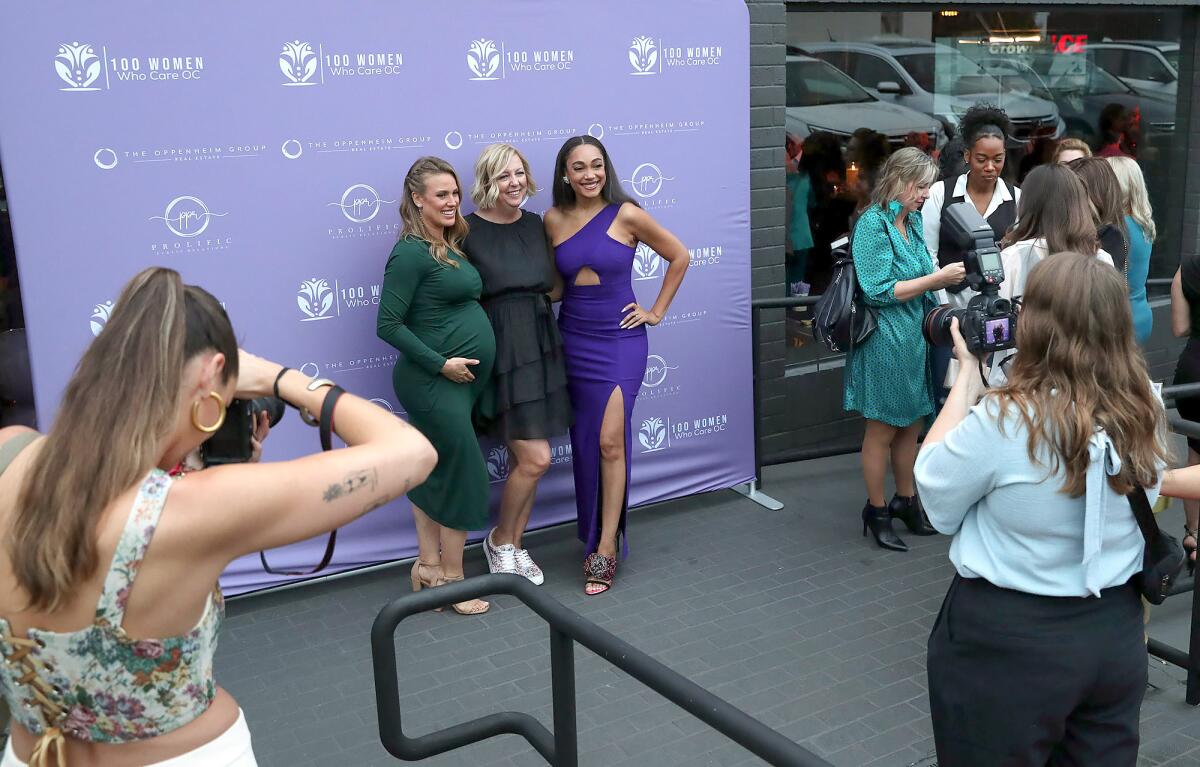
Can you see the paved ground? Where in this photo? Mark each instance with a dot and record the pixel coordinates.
(789, 615)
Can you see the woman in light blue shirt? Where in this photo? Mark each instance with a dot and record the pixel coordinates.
(1037, 655)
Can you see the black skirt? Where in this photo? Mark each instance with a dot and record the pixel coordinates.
(527, 398)
(1188, 371)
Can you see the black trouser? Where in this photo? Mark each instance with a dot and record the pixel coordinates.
(1019, 680)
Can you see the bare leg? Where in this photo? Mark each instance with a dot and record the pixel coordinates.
(876, 452)
(612, 472)
(532, 458)
(452, 565)
(429, 542)
(904, 457)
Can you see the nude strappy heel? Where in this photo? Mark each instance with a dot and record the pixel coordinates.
(472, 607)
(418, 582)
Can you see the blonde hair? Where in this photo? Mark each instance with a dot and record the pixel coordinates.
(903, 167)
(410, 214)
(117, 412)
(1133, 192)
(1068, 144)
(485, 192)
(1078, 368)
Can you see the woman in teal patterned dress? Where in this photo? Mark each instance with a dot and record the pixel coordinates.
(887, 378)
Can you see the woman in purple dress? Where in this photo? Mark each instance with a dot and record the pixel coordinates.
(595, 228)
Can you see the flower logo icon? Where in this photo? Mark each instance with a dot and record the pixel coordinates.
(100, 315)
(652, 435)
(643, 55)
(78, 66)
(483, 59)
(497, 463)
(298, 62)
(315, 299)
(645, 262)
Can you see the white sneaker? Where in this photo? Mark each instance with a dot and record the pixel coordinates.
(527, 567)
(500, 559)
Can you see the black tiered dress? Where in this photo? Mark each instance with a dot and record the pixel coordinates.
(527, 398)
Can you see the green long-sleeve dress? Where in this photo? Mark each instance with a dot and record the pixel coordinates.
(431, 312)
(887, 377)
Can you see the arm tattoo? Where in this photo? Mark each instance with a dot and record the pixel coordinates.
(380, 501)
(353, 482)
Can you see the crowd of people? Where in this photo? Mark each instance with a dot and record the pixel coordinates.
(1038, 654)
(109, 612)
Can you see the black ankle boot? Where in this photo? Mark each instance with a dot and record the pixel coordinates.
(879, 522)
(910, 511)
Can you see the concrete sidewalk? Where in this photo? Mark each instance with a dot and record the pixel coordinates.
(790, 615)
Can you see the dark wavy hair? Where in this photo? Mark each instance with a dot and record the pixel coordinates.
(984, 120)
(1104, 190)
(561, 191)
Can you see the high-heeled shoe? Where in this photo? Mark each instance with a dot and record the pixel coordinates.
(599, 570)
(470, 607)
(879, 522)
(1189, 552)
(910, 511)
(419, 582)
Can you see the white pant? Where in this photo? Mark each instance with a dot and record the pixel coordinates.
(229, 749)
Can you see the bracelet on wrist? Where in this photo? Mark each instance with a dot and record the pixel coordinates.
(275, 386)
(313, 385)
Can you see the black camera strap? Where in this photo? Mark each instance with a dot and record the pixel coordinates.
(326, 431)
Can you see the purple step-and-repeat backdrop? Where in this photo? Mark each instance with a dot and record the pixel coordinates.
(260, 149)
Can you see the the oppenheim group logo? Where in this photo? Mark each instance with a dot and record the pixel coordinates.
(315, 299)
(360, 203)
(484, 59)
(100, 315)
(646, 263)
(78, 66)
(643, 56)
(647, 179)
(187, 216)
(497, 464)
(299, 62)
(653, 435)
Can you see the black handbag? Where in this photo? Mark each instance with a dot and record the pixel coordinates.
(1164, 555)
(841, 318)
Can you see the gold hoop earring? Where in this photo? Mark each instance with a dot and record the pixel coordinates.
(196, 414)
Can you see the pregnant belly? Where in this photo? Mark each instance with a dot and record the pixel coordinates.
(470, 335)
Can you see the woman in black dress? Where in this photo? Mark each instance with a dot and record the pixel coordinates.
(1104, 190)
(527, 401)
(1185, 321)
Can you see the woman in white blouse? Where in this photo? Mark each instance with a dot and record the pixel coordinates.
(1037, 656)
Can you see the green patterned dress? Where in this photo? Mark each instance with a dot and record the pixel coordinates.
(887, 378)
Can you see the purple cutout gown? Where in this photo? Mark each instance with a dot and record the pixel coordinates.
(599, 356)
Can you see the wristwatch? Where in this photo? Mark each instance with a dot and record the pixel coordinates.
(313, 385)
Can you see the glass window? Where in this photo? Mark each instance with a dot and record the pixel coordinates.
(1172, 57)
(872, 70)
(1056, 71)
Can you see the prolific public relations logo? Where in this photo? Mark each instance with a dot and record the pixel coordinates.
(643, 56)
(647, 181)
(647, 265)
(650, 56)
(100, 315)
(78, 66)
(656, 371)
(360, 203)
(654, 435)
(483, 59)
(298, 62)
(187, 216)
(497, 464)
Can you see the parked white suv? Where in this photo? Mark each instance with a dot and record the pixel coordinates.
(939, 81)
(1147, 66)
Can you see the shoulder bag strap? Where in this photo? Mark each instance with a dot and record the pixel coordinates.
(1143, 513)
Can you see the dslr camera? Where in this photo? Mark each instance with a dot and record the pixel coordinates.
(231, 442)
(989, 322)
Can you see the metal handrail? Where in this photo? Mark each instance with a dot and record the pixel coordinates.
(559, 748)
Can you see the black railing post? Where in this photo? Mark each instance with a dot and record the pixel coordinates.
(562, 682)
(755, 317)
(1193, 666)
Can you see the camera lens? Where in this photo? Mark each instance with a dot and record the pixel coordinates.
(273, 406)
(936, 326)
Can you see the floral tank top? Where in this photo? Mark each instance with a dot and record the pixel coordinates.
(99, 684)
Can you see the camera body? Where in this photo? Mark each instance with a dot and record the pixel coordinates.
(231, 442)
(988, 323)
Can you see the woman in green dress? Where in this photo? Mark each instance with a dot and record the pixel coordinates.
(887, 378)
(430, 311)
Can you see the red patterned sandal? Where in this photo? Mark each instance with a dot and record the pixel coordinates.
(598, 572)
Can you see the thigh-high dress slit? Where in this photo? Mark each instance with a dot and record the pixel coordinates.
(600, 357)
